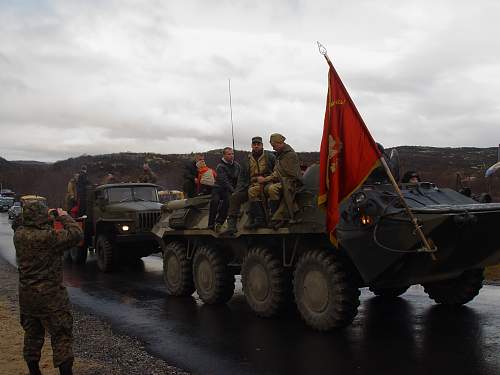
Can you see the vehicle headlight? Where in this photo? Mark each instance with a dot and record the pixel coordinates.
(125, 228)
(366, 220)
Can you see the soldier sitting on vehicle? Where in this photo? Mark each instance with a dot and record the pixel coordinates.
(260, 162)
(410, 177)
(206, 178)
(190, 176)
(227, 175)
(281, 186)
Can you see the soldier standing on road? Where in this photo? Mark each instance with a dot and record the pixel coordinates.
(283, 182)
(148, 175)
(227, 172)
(43, 300)
(260, 162)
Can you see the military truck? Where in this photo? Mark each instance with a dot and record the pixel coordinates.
(377, 248)
(118, 223)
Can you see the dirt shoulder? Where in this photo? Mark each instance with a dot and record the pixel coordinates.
(492, 274)
(98, 350)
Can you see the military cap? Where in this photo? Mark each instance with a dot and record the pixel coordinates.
(276, 137)
(257, 140)
(35, 213)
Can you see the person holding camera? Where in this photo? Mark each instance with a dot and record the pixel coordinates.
(43, 300)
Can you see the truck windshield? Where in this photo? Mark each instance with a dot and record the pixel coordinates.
(128, 193)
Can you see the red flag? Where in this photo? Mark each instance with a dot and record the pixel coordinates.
(348, 152)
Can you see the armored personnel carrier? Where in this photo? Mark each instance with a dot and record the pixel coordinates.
(377, 248)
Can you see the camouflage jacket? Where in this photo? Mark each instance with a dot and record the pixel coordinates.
(287, 166)
(39, 250)
(264, 166)
(251, 168)
(287, 172)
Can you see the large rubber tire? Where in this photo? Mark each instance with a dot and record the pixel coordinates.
(78, 254)
(325, 291)
(266, 284)
(177, 270)
(104, 251)
(389, 292)
(213, 279)
(457, 291)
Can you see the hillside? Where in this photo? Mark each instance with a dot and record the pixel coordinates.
(439, 165)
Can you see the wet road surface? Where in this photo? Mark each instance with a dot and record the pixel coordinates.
(409, 335)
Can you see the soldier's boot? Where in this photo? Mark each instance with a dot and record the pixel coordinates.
(66, 368)
(256, 216)
(231, 226)
(33, 367)
(273, 207)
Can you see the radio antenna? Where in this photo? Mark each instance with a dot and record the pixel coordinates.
(231, 109)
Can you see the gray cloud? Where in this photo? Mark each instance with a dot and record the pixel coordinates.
(85, 77)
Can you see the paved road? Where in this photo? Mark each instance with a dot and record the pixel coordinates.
(408, 336)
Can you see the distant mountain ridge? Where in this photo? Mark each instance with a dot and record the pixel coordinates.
(435, 164)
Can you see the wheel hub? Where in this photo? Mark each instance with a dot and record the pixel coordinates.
(316, 291)
(173, 270)
(258, 282)
(205, 276)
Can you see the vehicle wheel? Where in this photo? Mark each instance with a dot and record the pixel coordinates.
(78, 254)
(326, 295)
(213, 280)
(457, 291)
(265, 282)
(389, 292)
(104, 250)
(177, 271)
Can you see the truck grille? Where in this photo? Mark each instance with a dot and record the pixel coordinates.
(147, 220)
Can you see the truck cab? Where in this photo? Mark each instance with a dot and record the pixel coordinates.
(118, 223)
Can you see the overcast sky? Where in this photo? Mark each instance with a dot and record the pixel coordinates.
(92, 77)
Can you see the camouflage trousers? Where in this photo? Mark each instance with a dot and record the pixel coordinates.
(60, 327)
(271, 191)
(41, 312)
(235, 202)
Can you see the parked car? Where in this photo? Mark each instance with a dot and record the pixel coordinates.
(6, 199)
(15, 210)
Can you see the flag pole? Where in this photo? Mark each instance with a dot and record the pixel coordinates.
(429, 246)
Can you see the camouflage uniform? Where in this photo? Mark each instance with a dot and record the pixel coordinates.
(283, 182)
(263, 166)
(43, 300)
(247, 188)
